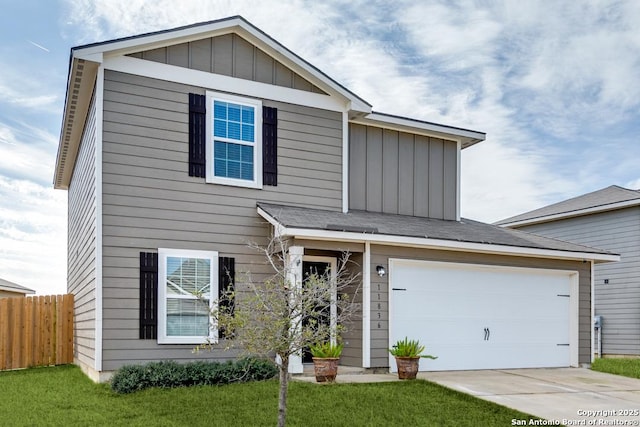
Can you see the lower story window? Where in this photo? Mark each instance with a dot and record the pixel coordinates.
(187, 287)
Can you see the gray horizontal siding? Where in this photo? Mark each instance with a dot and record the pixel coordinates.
(229, 55)
(619, 300)
(352, 336)
(400, 173)
(81, 274)
(149, 201)
(380, 291)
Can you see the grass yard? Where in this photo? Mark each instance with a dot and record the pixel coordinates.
(619, 366)
(63, 396)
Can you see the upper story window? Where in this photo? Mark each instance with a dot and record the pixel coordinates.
(234, 140)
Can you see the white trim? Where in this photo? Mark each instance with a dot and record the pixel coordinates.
(429, 243)
(99, 103)
(574, 318)
(294, 277)
(213, 81)
(570, 214)
(163, 253)
(593, 312)
(458, 178)
(467, 137)
(333, 262)
(256, 104)
(345, 162)
(366, 306)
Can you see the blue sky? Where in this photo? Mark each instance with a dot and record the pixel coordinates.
(555, 84)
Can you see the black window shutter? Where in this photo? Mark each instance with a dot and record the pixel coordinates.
(226, 284)
(148, 295)
(269, 146)
(197, 135)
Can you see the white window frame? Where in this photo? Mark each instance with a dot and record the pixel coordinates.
(257, 149)
(163, 254)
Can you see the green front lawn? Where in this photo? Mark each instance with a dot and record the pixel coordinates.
(63, 396)
(619, 366)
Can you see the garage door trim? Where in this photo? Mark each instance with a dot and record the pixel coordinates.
(573, 276)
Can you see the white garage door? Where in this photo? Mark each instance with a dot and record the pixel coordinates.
(484, 317)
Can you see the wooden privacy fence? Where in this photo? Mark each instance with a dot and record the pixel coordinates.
(36, 331)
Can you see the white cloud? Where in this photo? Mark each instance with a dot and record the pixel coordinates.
(33, 235)
(27, 152)
(24, 88)
(634, 185)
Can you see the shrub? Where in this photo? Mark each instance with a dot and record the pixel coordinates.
(169, 374)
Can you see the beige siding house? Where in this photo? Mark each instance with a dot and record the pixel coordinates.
(11, 290)
(179, 147)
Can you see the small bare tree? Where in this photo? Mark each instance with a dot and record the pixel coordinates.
(285, 314)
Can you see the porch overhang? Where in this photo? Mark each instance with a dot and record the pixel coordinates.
(368, 228)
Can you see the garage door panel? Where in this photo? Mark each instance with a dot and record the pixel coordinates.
(477, 317)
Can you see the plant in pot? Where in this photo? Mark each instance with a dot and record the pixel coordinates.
(408, 353)
(325, 360)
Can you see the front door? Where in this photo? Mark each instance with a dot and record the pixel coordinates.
(321, 268)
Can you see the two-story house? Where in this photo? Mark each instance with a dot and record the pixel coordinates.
(179, 147)
(608, 218)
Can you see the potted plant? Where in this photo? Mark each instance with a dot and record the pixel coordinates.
(325, 360)
(408, 353)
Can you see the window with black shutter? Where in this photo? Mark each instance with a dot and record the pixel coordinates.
(269, 146)
(197, 135)
(148, 295)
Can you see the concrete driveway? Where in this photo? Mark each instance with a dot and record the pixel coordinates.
(573, 396)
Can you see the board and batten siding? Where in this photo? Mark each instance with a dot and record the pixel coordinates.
(81, 256)
(380, 291)
(618, 301)
(232, 56)
(400, 173)
(150, 202)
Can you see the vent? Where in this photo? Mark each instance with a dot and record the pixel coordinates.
(351, 228)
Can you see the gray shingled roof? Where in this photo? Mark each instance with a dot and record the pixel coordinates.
(14, 287)
(600, 198)
(374, 223)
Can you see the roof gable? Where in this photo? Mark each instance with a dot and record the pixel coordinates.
(234, 25)
(606, 199)
(230, 55)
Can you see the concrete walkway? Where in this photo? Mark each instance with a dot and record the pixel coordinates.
(554, 394)
(573, 396)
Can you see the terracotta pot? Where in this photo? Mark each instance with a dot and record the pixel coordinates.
(325, 369)
(407, 367)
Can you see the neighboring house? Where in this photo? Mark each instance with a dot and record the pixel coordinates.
(179, 147)
(9, 289)
(609, 219)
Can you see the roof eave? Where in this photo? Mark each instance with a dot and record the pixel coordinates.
(82, 76)
(467, 137)
(21, 290)
(429, 243)
(570, 214)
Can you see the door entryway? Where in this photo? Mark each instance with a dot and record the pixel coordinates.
(321, 266)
